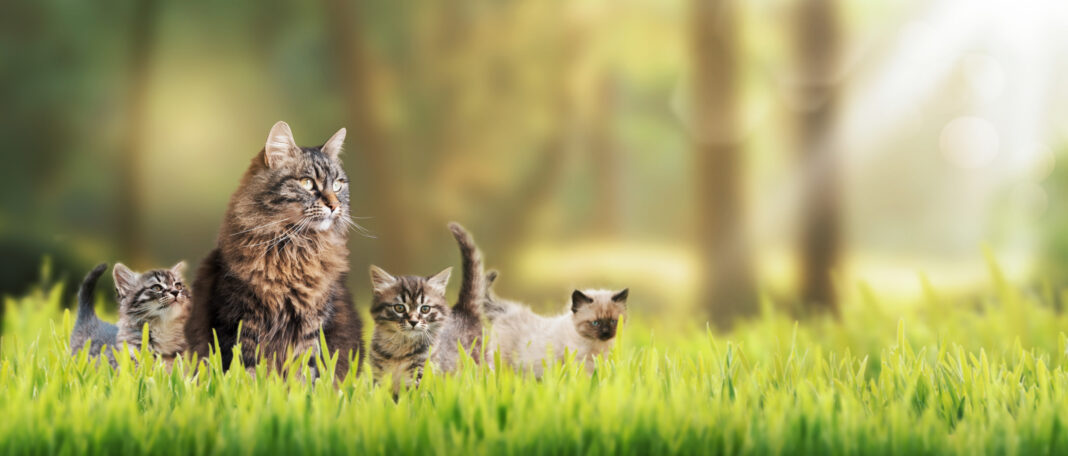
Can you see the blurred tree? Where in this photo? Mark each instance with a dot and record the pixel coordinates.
(606, 153)
(142, 41)
(369, 135)
(727, 286)
(817, 43)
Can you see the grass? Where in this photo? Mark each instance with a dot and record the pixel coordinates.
(963, 376)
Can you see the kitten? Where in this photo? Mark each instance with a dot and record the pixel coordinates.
(406, 333)
(409, 313)
(281, 259)
(157, 298)
(464, 326)
(587, 328)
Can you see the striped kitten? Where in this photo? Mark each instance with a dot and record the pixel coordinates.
(409, 313)
(587, 328)
(157, 298)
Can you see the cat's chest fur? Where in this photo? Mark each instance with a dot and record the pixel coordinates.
(290, 286)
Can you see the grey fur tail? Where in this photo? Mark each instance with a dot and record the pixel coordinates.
(86, 293)
(473, 288)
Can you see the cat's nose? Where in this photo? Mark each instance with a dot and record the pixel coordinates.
(176, 293)
(332, 202)
(413, 323)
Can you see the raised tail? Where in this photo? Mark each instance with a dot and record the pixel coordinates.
(86, 293)
(473, 289)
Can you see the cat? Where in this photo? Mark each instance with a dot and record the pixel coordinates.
(157, 298)
(409, 314)
(523, 338)
(278, 270)
(464, 326)
(405, 335)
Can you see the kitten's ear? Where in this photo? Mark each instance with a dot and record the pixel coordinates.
(178, 269)
(280, 145)
(125, 279)
(333, 145)
(621, 297)
(579, 299)
(441, 279)
(491, 277)
(381, 280)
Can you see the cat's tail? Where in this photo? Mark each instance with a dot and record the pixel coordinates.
(86, 293)
(492, 306)
(473, 289)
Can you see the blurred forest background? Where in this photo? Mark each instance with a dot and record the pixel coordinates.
(701, 152)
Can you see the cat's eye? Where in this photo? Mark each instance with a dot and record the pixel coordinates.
(337, 185)
(399, 308)
(596, 323)
(157, 288)
(178, 285)
(307, 183)
(424, 309)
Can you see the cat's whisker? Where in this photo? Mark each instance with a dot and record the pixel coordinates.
(281, 238)
(359, 229)
(262, 226)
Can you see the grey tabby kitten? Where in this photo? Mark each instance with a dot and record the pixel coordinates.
(409, 313)
(412, 320)
(157, 298)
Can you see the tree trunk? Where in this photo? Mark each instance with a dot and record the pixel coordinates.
(727, 288)
(606, 159)
(131, 156)
(370, 139)
(817, 52)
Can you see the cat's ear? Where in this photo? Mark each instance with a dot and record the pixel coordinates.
(381, 280)
(491, 277)
(621, 297)
(333, 145)
(441, 279)
(579, 299)
(178, 269)
(280, 145)
(125, 279)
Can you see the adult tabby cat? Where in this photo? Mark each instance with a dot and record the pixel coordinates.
(281, 260)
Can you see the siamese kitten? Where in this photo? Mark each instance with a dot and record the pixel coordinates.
(409, 313)
(587, 328)
(157, 298)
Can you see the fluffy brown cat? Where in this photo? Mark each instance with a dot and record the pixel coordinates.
(281, 260)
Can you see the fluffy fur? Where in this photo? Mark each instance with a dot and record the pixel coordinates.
(409, 313)
(157, 298)
(587, 328)
(464, 326)
(281, 260)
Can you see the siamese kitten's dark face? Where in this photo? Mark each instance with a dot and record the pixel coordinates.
(596, 313)
(411, 305)
(150, 295)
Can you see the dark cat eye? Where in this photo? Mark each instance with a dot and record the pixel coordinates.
(178, 285)
(399, 308)
(424, 309)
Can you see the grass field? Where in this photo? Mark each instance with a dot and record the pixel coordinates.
(965, 376)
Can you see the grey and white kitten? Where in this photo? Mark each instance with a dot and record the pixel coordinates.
(587, 328)
(409, 314)
(157, 298)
